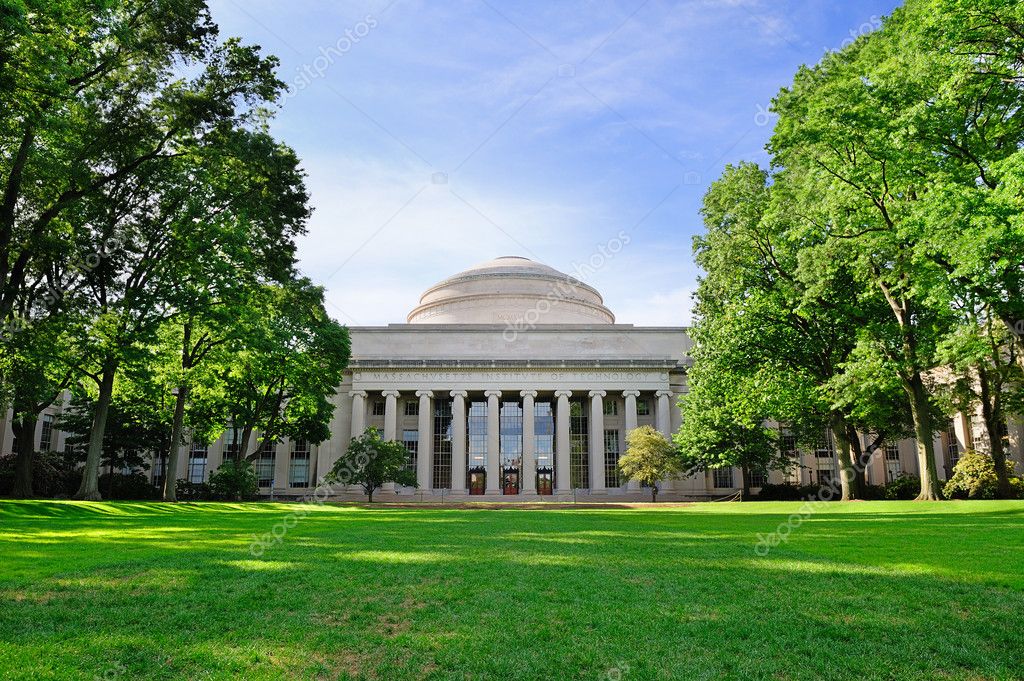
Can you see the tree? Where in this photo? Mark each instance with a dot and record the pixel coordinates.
(283, 367)
(649, 459)
(370, 461)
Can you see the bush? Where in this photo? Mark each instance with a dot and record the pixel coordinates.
(234, 481)
(873, 492)
(53, 475)
(903, 487)
(131, 487)
(974, 477)
(191, 491)
(771, 492)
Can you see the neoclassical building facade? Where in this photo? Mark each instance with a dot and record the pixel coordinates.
(513, 381)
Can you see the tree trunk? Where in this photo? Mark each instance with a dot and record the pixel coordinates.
(654, 494)
(920, 408)
(243, 446)
(745, 474)
(171, 469)
(89, 490)
(369, 495)
(844, 456)
(860, 464)
(26, 429)
(991, 414)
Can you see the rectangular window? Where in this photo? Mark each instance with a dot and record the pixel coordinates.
(46, 439)
(441, 477)
(758, 478)
(544, 441)
(643, 407)
(411, 441)
(788, 446)
(893, 468)
(510, 444)
(579, 445)
(722, 478)
(825, 449)
(892, 452)
(159, 469)
(611, 458)
(412, 408)
(476, 437)
(231, 444)
(611, 408)
(825, 477)
(197, 463)
(378, 407)
(265, 463)
(298, 466)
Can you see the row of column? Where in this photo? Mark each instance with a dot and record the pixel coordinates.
(426, 442)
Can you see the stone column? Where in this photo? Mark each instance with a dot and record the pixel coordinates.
(663, 418)
(390, 415)
(390, 426)
(424, 457)
(493, 442)
(631, 419)
(358, 412)
(529, 485)
(459, 441)
(597, 441)
(562, 441)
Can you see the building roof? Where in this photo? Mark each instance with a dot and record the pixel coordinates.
(513, 291)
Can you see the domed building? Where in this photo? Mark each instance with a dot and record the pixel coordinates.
(511, 379)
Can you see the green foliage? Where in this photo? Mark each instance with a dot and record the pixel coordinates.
(974, 477)
(234, 481)
(192, 491)
(54, 475)
(902, 487)
(127, 487)
(371, 461)
(649, 459)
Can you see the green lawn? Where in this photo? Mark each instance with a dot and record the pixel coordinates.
(865, 590)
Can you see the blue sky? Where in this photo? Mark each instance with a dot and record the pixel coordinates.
(437, 135)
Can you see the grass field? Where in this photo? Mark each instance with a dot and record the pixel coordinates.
(867, 590)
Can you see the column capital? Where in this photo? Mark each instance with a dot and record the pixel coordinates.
(563, 393)
(357, 393)
(631, 393)
(458, 393)
(391, 393)
(664, 393)
(492, 393)
(598, 393)
(528, 393)
(424, 393)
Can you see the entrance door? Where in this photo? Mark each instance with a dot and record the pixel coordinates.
(544, 481)
(477, 481)
(510, 481)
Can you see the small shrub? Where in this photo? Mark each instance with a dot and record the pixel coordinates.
(974, 477)
(234, 481)
(903, 487)
(53, 475)
(873, 492)
(772, 492)
(191, 491)
(131, 487)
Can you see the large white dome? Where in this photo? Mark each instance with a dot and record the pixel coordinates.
(511, 290)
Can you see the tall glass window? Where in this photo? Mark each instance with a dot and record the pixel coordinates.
(722, 478)
(579, 445)
(197, 463)
(159, 469)
(611, 458)
(441, 477)
(544, 442)
(476, 447)
(411, 441)
(231, 445)
(46, 439)
(265, 463)
(510, 436)
(298, 467)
